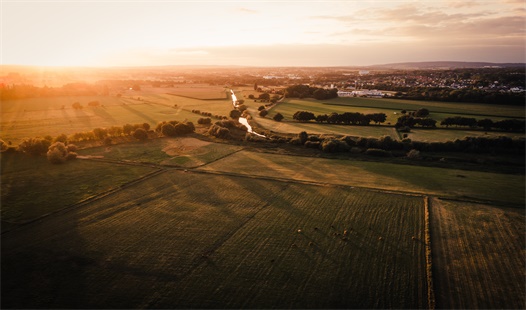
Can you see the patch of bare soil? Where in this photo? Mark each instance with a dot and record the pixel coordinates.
(183, 145)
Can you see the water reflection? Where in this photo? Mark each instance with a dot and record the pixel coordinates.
(243, 120)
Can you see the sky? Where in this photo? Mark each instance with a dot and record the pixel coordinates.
(260, 33)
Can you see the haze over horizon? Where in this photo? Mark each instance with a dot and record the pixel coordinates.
(260, 33)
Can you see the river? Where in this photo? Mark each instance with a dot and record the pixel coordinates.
(243, 120)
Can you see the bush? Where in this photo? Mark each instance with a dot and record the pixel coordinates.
(3, 146)
(107, 141)
(140, 134)
(378, 152)
(278, 117)
(168, 130)
(204, 121)
(34, 146)
(57, 153)
(263, 113)
(413, 154)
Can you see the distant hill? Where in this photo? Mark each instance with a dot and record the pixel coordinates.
(445, 65)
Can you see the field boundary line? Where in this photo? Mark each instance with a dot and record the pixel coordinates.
(431, 302)
(86, 200)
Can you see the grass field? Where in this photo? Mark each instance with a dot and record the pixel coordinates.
(443, 182)
(478, 255)
(38, 117)
(166, 242)
(475, 109)
(32, 187)
(392, 110)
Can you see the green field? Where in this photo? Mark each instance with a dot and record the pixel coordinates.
(457, 108)
(166, 242)
(31, 187)
(391, 108)
(453, 183)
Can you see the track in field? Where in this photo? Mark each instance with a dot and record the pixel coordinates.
(192, 240)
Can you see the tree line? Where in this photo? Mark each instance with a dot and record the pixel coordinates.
(486, 124)
(305, 91)
(347, 118)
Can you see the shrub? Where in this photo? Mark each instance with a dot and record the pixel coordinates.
(235, 114)
(313, 144)
(278, 117)
(378, 152)
(204, 121)
(34, 146)
(57, 153)
(107, 141)
(168, 130)
(263, 113)
(140, 134)
(413, 154)
(61, 138)
(3, 146)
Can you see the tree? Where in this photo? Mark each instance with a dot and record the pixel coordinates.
(278, 117)
(140, 134)
(57, 153)
(168, 130)
(34, 146)
(485, 123)
(320, 94)
(263, 113)
(264, 96)
(127, 129)
(423, 112)
(235, 114)
(146, 126)
(303, 116)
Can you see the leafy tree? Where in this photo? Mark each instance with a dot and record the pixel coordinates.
(320, 94)
(485, 123)
(264, 96)
(128, 129)
(263, 113)
(57, 153)
(303, 116)
(423, 112)
(34, 146)
(140, 134)
(61, 138)
(235, 114)
(146, 126)
(168, 130)
(278, 117)
(3, 146)
(303, 136)
(261, 107)
(100, 133)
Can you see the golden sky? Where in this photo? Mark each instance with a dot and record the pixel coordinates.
(260, 33)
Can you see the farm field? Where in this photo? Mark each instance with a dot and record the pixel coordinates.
(444, 135)
(38, 117)
(32, 187)
(188, 152)
(478, 256)
(505, 188)
(341, 105)
(475, 109)
(167, 243)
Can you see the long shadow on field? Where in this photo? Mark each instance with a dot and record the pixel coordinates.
(44, 266)
(142, 115)
(102, 113)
